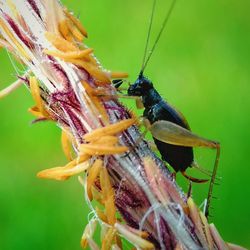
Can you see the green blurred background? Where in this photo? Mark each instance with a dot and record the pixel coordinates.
(201, 65)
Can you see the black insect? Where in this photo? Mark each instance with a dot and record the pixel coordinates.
(169, 128)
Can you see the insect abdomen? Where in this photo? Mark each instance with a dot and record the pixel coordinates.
(179, 157)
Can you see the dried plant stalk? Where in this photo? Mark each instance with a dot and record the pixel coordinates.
(99, 136)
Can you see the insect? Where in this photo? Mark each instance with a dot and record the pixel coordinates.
(169, 128)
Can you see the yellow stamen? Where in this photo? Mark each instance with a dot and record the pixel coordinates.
(119, 75)
(65, 31)
(97, 149)
(74, 167)
(108, 140)
(110, 209)
(11, 88)
(108, 196)
(97, 196)
(101, 215)
(69, 55)
(20, 49)
(92, 175)
(35, 92)
(60, 43)
(93, 70)
(76, 22)
(133, 238)
(63, 173)
(75, 32)
(108, 239)
(36, 112)
(88, 88)
(66, 145)
(112, 129)
(97, 102)
(106, 186)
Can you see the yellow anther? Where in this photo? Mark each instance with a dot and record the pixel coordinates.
(35, 92)
(74, 167)
(108, 196)
(100, 76)
(66, 145)
(119, 75)
(106, 186)
(60, 43)
(65, 31)
(112, 129)
(97, 149)
(76, 22)
(92, 175)
(96, 102)
(36, 112)
(107, 140)
(97, 195)
(108, 239)
(101, 215)
(110, 209)
(75, 32)
(69, 55)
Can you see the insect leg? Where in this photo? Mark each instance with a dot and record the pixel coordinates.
(204, 171)
(189, 192)
(211, 185)
(193, 179)
(171, 133)
(139, 103)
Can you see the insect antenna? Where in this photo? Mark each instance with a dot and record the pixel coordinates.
(148, 36)
(145, 61)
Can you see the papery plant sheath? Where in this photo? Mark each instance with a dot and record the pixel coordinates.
(138, 197)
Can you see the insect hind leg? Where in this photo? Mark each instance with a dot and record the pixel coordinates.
(193, 179)
(204, 171)
(212, 181)
(171, 133)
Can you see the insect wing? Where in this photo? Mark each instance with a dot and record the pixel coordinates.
(171, 133)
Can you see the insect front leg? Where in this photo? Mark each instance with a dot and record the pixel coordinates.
(171, 133)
